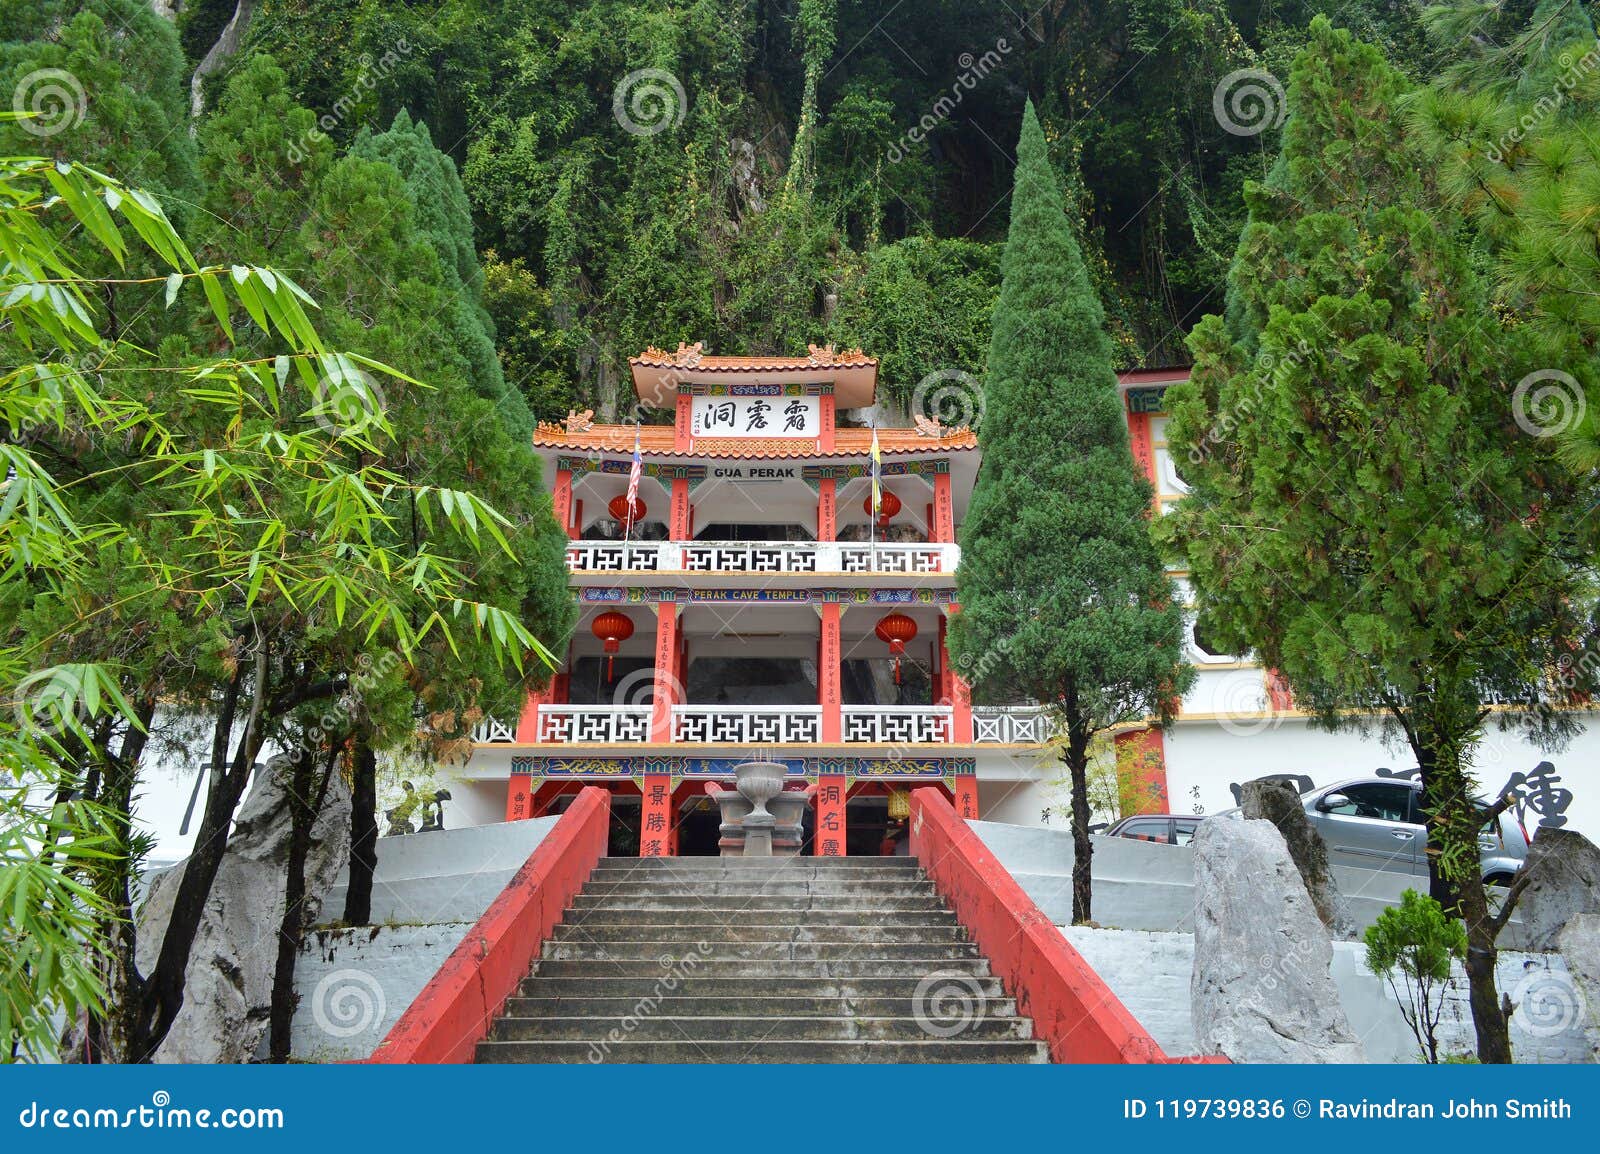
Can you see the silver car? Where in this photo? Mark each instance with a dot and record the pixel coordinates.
(1376, 824)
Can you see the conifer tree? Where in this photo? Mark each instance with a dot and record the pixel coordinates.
(1063, 596)
(1364, 510)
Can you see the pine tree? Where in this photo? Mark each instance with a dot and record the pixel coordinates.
(1364, 510)
(1063, 596)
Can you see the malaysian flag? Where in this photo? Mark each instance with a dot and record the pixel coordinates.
(634, 471)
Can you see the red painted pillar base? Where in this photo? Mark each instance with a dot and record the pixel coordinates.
(1142, 772)
(519, 797)
(966, 791)
(655, 822)
(830, 835)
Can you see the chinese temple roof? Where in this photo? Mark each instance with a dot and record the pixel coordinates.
(581, 434)
(658, 373)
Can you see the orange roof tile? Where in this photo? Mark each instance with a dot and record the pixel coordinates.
(661, 439)
(690, 356)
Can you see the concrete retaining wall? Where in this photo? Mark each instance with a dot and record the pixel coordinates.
(1150, 973)
(1141, 885)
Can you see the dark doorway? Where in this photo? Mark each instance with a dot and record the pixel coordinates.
(699, 826)
(866, 822)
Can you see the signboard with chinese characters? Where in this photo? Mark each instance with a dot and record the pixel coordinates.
(775, 416)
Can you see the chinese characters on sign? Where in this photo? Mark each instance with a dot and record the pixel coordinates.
(797, 417)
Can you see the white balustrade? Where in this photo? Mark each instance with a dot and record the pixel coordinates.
(1011, 725)
(897, 724)
(617, 557)
(762, 557)
(491, 730)
(599, 724)
(750, 557)
(897, 557)
(747, 724)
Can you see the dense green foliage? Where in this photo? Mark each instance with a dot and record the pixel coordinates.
(769, 202)
(1063, 597)
(1368, 510)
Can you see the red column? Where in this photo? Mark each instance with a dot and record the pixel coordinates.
(966, 792)
(827, 510)
(561, 502)
(519, 797)
(1141, 771)
(829, 661)
(826, 414)
(681, 437)
(1139, 440)
(960, 695)
(679, 524)
(830, 839)
(655, 828)
(665, 682)
(528, 723)
(943, 528)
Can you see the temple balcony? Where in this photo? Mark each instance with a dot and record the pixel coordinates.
(605, 562)
(891, 726)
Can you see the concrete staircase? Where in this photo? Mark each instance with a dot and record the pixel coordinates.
(745, 960)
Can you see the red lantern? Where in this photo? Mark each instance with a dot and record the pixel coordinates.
(898, 630)
(888, 506)
(618, 508)
(613, 628)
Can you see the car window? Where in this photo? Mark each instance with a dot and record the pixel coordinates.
(1382, 801)
(1151, 829)
(1183, 831)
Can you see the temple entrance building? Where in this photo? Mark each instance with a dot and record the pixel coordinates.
(753, 606)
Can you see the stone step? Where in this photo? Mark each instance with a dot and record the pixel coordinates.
(722, 933)
(798, 904)
(745, 1053)
(906, 968)
(756, 863)
(592, 983)
(742, 1006)
(621, 916)
(870, 891)
(755, 1028)
(671, 953)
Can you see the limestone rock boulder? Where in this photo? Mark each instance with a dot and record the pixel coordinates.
(1579, 943)
(1563, 870)
(1261, 988)
(1277, 802)
(228, 989)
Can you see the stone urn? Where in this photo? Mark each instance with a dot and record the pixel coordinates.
(758, 782)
